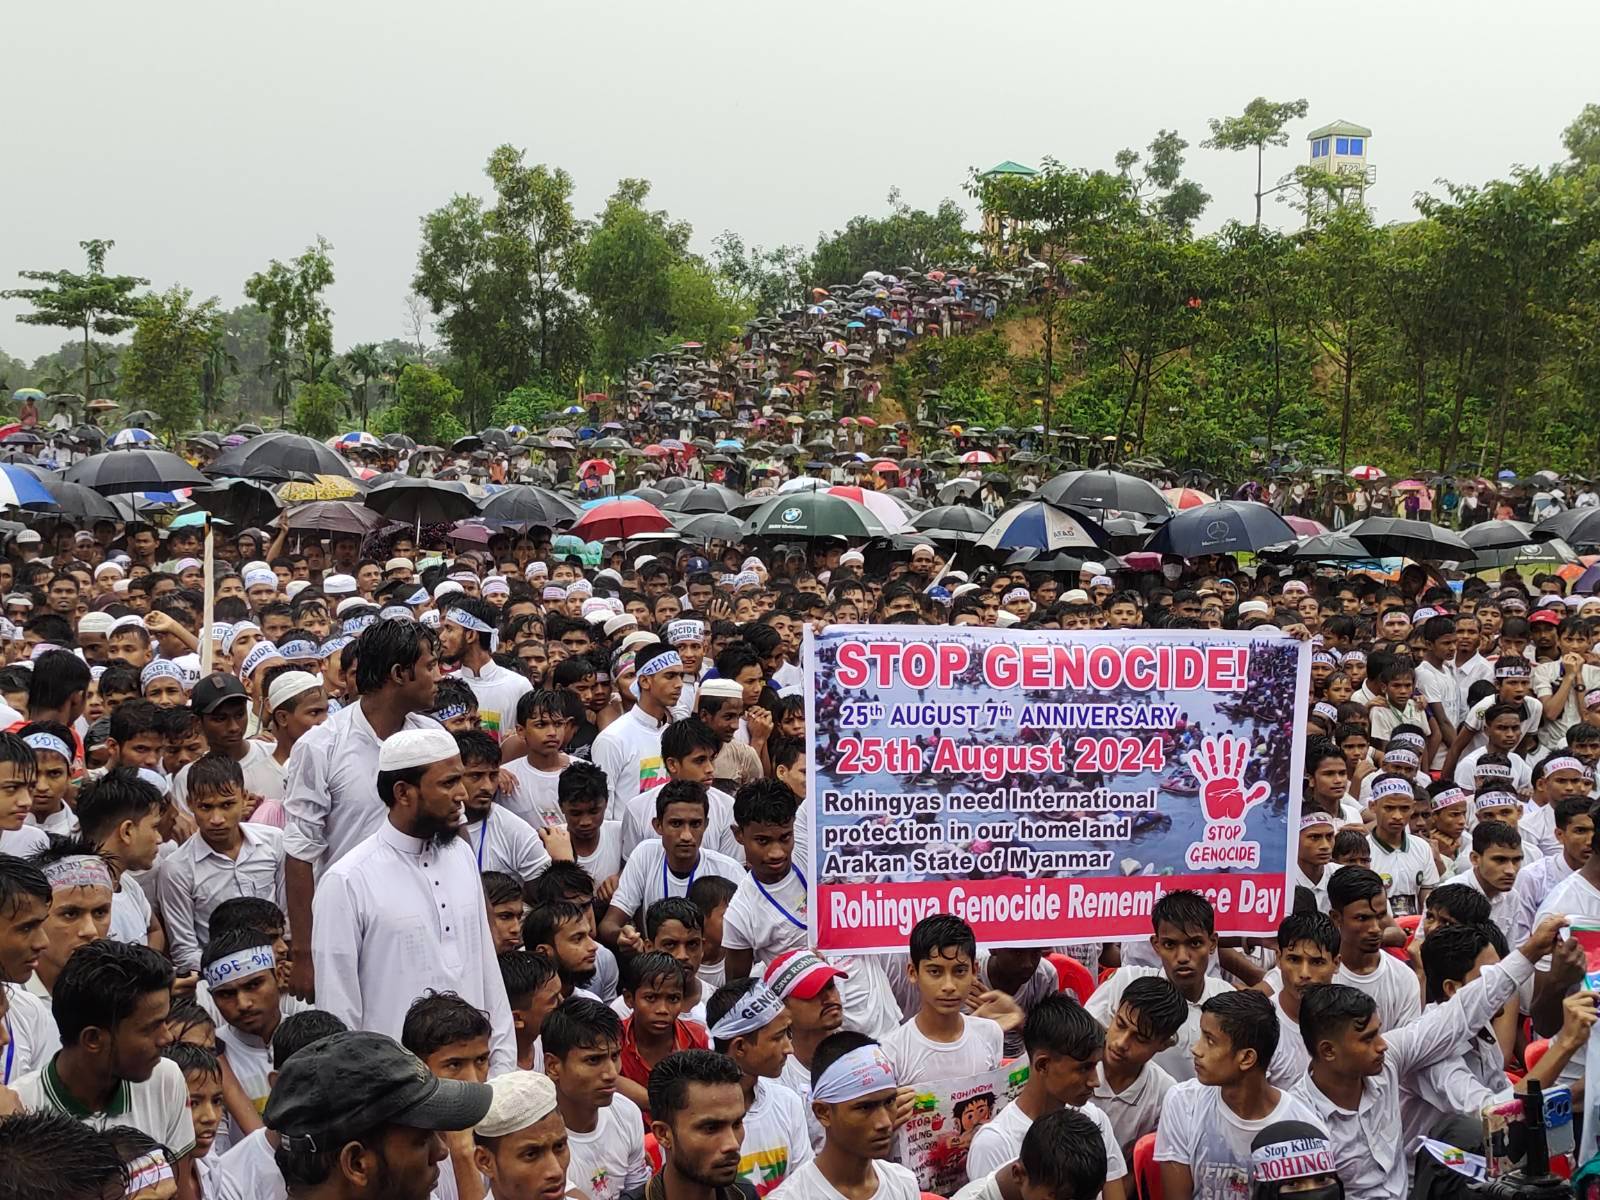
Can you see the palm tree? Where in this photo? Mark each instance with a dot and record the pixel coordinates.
(218, 364)
(364, 363)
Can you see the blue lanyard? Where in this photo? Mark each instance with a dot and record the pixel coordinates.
(664, 892)
(11, 1050)
(483, 835)
(773, 900)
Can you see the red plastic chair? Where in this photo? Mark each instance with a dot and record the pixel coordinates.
(1072, 976)
(1146, 1171)
(1410, 924)
(1535, 1052)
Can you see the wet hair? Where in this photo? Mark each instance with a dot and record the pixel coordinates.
(1183, 910)
(51, 1156)
(188, 1014)
(57, 676)
(671, 1078)
(784, 751)
(1327, 1008)
(682, 738)
(1494, 833)
(117, 796)
(931, 936)
(119, 679)
(480, 609)
(499, 888)
(672, 908)
(651, 967)
(1313, 927)
(581, 781)
(438, 1019)
(542, 703)
(255, 913)
(1449, 953)
(102, 984)
(1462, 904)
(558, 881)
(133, 718)
(681, 791)
(192, 1059)
(764, 802)
(545, 919)
(213, 773)
(1351, 885)
(579, 1023)
(1156, 1005)
(229, 941)
(1064, 1152)
(476, 746)
(721, 1002)
(524, 974)
(18, 880)
(1059, 1025)
(387, 646)
(1570, 807)
(1348, 841)
(299, 1030)
(1249, 1023)
(711, 892)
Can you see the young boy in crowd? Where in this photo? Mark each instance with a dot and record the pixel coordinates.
(225, 857)
(1358, 1061)
(1184, 938)
(1131, 1086)
(1359, 907)
(1574, 824)
(571, 883)
(451, 1037)
(712, 894)
(533, 990)
(1308, 954)
(202, 1076)
(1065, 1047)
(1398, 705)
(652, 984)
(183, 739)
(121, 814)
(1448, 802)
(1060, 1159)
(582, 1056)
(1494, 803)
(1496, 861)
(543, 725)
(1351, 849)
(1314, 853)
(1209, 1122)
(1404, 862)
(240, 973)
(675, 927)
(751, 1026)
(503, 895)
(688, 751)
(667, 864)
(942, 1041)
(581, 796)
(768, 912)
(135, 739)
(52, 781)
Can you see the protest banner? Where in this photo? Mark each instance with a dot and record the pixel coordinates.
(1048, 787)
(944, 1116)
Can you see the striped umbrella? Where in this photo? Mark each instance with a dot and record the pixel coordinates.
(132, 437)
(1182, 497)
(20, 488)
(1042, 526)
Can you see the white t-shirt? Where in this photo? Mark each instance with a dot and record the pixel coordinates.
(263, 774)
(1200, 1131)
(1291, 1059)
(919, 1059)
(1521, 773)
(1134, 1111)
(777, 1141)
(606, 860)
(807, 1183)
(130, 914)
(534, 799)
(755, 922)
(21, 843)
(1175, 1060)
(1406, 869)
(248, 1171)
(609, 1159)
(637, 828)
(646, 878)
(158, 1107)
(34, 1036)
(1393, 987)
(1000, 1141)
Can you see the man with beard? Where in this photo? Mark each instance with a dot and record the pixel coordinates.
(697, 1115)
(404, 911)
(806, 986)
(563, 933)
(466, 636)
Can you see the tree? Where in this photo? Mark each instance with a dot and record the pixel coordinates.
(316, 409)
(1339, 268)
(1262, 304)
(907, 237)
(1161, 186)
(92, 302)
(1259, 126)
(365, 364)
(300, 329)
(536, 235)
(218, 365)
(1582, 138)
(767, 280)
(627, 274)
(163, 367)
(424, 407)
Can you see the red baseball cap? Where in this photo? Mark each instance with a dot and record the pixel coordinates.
(800, 973)
(1545, 616)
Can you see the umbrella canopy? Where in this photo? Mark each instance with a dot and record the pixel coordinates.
(1104, 490)
(1182, 497)
(1552, 552)
(239, 501)
(1321, 547)
(958, 489)
(977, 457)
(1305, 526)
(334, 516)
(707, 527)
(399, 441)
(703, 498)
(20, 488)
(320, 487)
(424, 500)
(812, 514)
(1221, 527)
(953, 523)
(133, 437)
(524, 505)
(621, 519)
(75, 500)
(1396, 537)
(1042, 526)
(136, 470)
(1578, 526)
(1505, 535)
(885, 507)
(1366, 473)
(277, 457)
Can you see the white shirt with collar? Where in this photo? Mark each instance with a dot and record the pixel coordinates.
(1534, 883)
(397, 916)
(34, 1037)
(629, 751)
(1367, 1149)
(331, 803)
(196, 879)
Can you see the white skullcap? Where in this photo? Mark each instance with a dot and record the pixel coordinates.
(1254, 608)
(964, 589)
(920, 548)
(107, 567)
(1075, 596)
(521, 1099)
(416, 748)
(642, 561)
(1093, 568)
(638, 637)
(255, 564)
(615, 625)
(594, 605)
(261, 577)
(445, 587)
(1102, 581)
(295, 586)
(96, 622)
(339, 585)
(852, 556)
(399, 564)
(127, 621)
(723, 689)
(120, 586)
(1005, 619)
(348, 604)
(289, 685)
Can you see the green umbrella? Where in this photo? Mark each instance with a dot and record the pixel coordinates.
(812, 514)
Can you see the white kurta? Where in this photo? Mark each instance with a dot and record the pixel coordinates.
(397, 916)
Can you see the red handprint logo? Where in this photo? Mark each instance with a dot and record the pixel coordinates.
(1218, 767)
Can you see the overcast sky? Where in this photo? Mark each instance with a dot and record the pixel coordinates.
(206, 139)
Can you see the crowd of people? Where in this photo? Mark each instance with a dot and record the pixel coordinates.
(483, 872)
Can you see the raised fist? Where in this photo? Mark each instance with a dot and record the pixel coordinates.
(1218, 767)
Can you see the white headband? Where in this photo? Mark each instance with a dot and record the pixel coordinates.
(233, 967)
(1402, 757)
(1564, 762)
(147, 1171)
(79, 870)
(1393, 787)
(1495, 799)
(756, 1009)
(49, 742)
(161, 668)
(1311, 820)
(861, 1072)
(661, 662)
(261, 578)
(1448, 797)
(679, 632)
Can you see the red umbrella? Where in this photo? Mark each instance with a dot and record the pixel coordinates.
(656, 451)
(596, 398)
(868, 422)
(1305, 526)
(1187, 497)
(597, 466)
(620, 519)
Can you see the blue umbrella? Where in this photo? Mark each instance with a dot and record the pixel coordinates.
(1042, 526)
(729, 444)
(1506, 475)
(573, 410)
(133, 437)
(20, 488)
(873, 311)
(1224, 527)
(854, 325)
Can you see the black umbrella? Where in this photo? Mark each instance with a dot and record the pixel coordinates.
(1104, 490)
(78, 501)
(674, 483)
(525, 505)
(136, 470)
(1505, 535)
(1529, 554)
(703, 498)
(425, 500)
(1578, 526)
(1396, 537)
(278, 457)
(1222, 527)
(1320, 547)
(399, 441)
(239, 501)
(953, 523)
(707, 527)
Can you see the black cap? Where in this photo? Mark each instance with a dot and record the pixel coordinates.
(347, 1084)
(216, 688)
